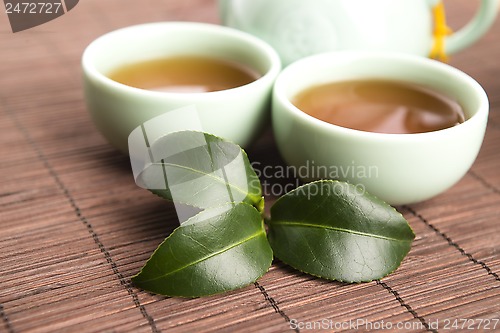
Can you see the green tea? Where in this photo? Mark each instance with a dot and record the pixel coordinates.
(184, 74)
(380, 106)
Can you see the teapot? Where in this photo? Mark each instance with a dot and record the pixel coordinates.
(298, 28)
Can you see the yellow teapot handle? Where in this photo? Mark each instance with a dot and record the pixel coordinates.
(447, 42)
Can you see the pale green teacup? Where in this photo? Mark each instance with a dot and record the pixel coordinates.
(236, 114)
(398, 168)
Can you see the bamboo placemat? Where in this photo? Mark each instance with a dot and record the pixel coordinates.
(74, 227)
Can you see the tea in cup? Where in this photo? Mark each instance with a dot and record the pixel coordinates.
(185, 74)
(380, 106)
(404, 128)
(138, 73)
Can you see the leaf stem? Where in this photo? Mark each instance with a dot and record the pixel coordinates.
(267, 219)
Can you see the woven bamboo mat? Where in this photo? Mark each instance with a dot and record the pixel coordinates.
(74, 227)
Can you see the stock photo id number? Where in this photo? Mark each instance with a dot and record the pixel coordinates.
(24, 14)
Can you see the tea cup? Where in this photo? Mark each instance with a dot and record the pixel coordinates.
(236, 114)
(398, 168)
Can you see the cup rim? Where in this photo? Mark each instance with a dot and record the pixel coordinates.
(274, 61)
(412, 60)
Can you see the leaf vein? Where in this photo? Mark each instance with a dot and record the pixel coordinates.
(355, 232)
(220, 180)
(255, 235)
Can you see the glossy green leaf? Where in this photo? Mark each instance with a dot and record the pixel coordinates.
(331, 230)
(200, 170)
(218, 250)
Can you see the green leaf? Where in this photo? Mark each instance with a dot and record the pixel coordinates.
(218, 250)
(331, 230)
(200, 170)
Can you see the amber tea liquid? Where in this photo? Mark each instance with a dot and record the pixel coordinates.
(184, 74)
(380, 106)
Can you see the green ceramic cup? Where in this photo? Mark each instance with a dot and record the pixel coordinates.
(398, 168)
(236, 114)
